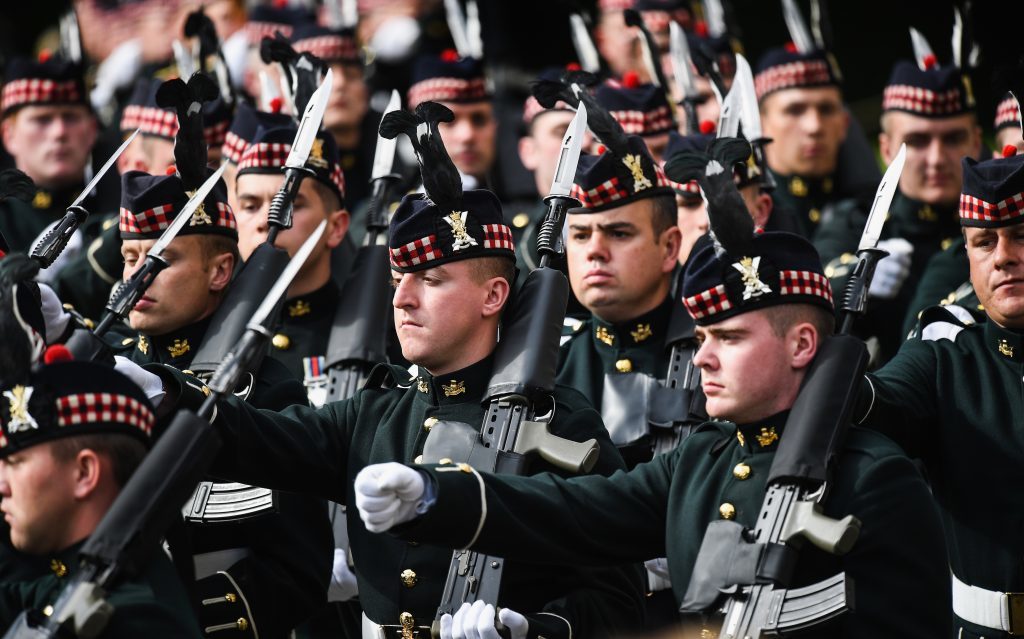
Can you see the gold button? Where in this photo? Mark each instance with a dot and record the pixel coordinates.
(88, 323)
(727, 510)
(189, 372)
(444, 461)
(466, 468)
(520, 220)
(68, 307)
(428, 423)
(242, 623)
(230, 597)
(281, 341)
(624, 366)
(126, 341)
(408, 578)
(406, 619)
(814, 215)
(48, 611)
(58, 567)
(741, 472)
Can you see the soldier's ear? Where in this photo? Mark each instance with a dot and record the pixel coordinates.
(221, 266)
(802, 341)
(88, 471)
(337, 227)
(528, 153)
(497, 295)
(671, 240)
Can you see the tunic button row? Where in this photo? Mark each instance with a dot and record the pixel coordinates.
(727, 510)
(741, 471)
(624, 366)
(408, 578)
(428, 423)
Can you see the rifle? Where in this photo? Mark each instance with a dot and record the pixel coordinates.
(131, 531)
(359, 330)
(49, 248)
(515, 426)
(755, 567)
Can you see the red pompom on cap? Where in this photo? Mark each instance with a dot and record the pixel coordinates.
(450, 55)
(791, 47)
(57, 353)
(280, 4)
(930, 62)
(1009, 150)
(45, 55)
(573, 66)
(630, 79)
(601, 149)
(172, 169)
(701, 28)
(276, 104)
(707, 127)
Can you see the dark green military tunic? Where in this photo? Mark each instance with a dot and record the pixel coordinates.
(662, 508)
(22, 222)
(929, 229)
(817, 209)
(945, 280)
(618, 359)
(153, 605)
(958, 404)
(305, 328)
(87, 279)
(321, 451)
(285, 576)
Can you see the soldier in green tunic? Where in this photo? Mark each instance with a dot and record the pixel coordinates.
(49, 130)
(952, 398)
(71, 435)
(930, 108)
(275, 563)
(760, 317)
(452, 273)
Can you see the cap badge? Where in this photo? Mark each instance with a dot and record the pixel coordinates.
(457, 220)
(642, 332)
(752, 284)
(316, 154)
(200, 216)
(21, 420)
(640, 181)
(179, 348)
(455, 388)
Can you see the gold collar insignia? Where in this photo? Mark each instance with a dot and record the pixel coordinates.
(298, 308)
(453, 389)
(752, 284)
(642, 332)
(143, 345)
(767, 437)
(42, 200)
(1005, 348)
(179, 348)
(21, 419)
(604, 335)
(457, 220)
(422, 385)
(797, 187)
(640, 181)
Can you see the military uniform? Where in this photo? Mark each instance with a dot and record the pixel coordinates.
(23, 222)
(819, 213)
(153, 604)
(87, 279)
(300, 342)
(945, 280)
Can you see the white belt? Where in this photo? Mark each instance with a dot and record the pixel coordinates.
(371, 630)
(996, 610)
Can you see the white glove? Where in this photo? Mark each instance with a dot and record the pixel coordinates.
(343, 581)
(476, 621)
(892, 270)
(658, 567)
(119, 70)
(54, 315)
(148, 382)
(389, 494)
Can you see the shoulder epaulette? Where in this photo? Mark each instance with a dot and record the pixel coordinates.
(943, 322)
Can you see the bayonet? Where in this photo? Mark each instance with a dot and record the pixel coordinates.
(384, 153)
(749, 112)
(70, 36)
(679, 53)
(382, 177)
(590, 59)
(130, 291)
(49, 248)
(473, 31)
(883, 199)
(558, 200)
(729, 118)
(652, 60)
(714, 16)
(798, 30)
(280, 215)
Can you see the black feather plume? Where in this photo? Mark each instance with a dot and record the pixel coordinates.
(550, 92)
(441, 180)
(14, 183)
(605, 127)
(189, 143)
(277, 49)
(309, 71)
(731, 224)
(199, 25)
(20, 318)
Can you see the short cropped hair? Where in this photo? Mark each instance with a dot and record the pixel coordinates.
(124, 452)
(785, 316)
(663, 214)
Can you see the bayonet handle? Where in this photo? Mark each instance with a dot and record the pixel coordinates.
(56, 240)
(855, 300)
(128, 293)
(377, 215)
(280, 216)
(549, 237)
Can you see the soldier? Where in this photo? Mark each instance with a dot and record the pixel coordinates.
(935, 398)
(50, 130)
(273, 566)
(755, 351)
(451, 283)
(313, 296)
(641, 109)
(239, 136)
(1007, 125)
(931, 110)
(348, 117)
(71, 435)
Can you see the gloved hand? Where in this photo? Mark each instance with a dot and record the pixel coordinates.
(658, 566)
(148, 382)
(892, 270)
(55, 317)
(389, 494)
(476, 621)
(343, 581)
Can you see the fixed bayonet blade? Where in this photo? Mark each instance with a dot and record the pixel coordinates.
(384, 154)
(679, 53)
(798, 30)
(883, 199)
(729, 118)
(922, 50)
(103, 169)
(186, 212)
(750, 113)
(569, 155)
(590, 61)
(714, 16)
(266, 307)
(309, 126)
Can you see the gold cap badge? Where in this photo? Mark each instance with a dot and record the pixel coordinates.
(21, 419)
(752, 284)
(640, 181)
(457, 220)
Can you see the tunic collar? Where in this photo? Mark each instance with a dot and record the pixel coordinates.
(762, 435)
(644, 330)
(304, 308)
(176, 348)
(458, 387)
(1006, 344)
